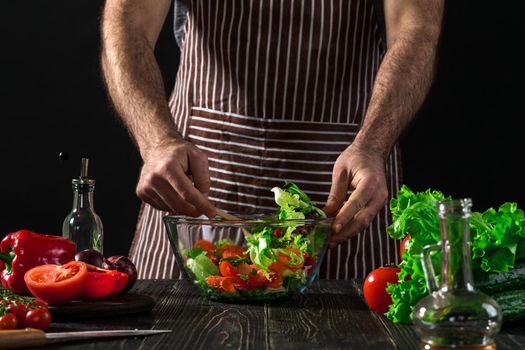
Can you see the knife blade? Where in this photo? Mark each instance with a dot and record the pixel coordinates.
(21, 338)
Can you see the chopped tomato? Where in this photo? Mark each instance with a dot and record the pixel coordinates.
(286, 259)
(275, 281)
(226, 284)
(57, 284)
(280, 268)
(256, 277)
(232, 251)
(229, 284)
(205, 245)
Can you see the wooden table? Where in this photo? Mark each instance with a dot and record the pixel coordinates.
(332, 315)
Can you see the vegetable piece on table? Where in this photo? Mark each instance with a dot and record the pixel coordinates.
(123, 264)
(91, 257)
(102, 283)
(374, 288)
(117, 262)
(24, 249)
(57, 284)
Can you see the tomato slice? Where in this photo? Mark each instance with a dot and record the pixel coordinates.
(57, 284)
(287, 259)
(232, 251)
(275, 281)
(226, 284)
(205, 245)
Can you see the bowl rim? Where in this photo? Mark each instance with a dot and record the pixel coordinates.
(217, 221)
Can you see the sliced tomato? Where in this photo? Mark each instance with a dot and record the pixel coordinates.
(205, 245)
(232, 251)
(229, 269)
(57, 284)
(256, 277)
(286, 259)
(226, 284)
(279, 268)
(229, 284)
(275, 281)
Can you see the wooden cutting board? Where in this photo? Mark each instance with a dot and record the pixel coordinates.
(126, 304)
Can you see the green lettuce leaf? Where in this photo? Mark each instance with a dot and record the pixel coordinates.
(202, 266)
(497, 241)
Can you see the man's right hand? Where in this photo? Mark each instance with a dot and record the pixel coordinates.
(166, 179)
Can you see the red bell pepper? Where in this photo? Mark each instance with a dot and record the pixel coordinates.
(102, 283)
(23, 250)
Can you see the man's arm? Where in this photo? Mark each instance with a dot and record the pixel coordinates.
(130, 29)
(402, 83)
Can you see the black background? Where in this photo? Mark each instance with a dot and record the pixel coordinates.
(467, 141)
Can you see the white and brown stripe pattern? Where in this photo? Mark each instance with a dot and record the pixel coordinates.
(275, 90)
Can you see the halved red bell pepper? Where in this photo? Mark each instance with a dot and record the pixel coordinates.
(102, 283)
(22, 250)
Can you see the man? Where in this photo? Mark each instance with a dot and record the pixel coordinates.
(267, 91)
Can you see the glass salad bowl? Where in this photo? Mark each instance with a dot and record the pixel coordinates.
(255, 258)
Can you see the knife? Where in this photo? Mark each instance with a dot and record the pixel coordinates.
(21, 338)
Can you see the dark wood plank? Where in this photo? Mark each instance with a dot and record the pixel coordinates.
(201, 324)
(196, 322)
(330, 316)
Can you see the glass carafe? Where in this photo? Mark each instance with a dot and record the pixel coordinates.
(455, 315)
(82, 225)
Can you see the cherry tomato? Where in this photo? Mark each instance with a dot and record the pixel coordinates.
(205, 245)
(19, 310)
(374, 288)
(8, 321)
(57, 284)
(38, 318)
(402, 247)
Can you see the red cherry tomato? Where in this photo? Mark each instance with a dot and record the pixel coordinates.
(38, 318)
(374, 288)
(227, 284)
(19, 310)
(8, 321)
(57, 284)
(402, 247)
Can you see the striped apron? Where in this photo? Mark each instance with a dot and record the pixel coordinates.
(274, 90)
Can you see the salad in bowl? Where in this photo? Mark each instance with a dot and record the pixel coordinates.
(261, 257)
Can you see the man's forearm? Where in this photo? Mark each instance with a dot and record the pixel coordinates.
(134, 82)
(401, 85)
